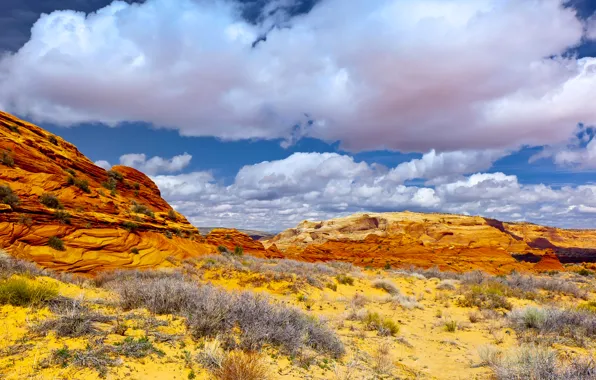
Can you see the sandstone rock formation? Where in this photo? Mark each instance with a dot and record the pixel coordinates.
(451, 242)
(233, 238)
(90, 219)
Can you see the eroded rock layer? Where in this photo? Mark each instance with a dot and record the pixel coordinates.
(90, 219)
(451, 242)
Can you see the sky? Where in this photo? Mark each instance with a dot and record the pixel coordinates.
(260, 114)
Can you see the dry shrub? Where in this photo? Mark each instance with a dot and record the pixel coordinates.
(77, 321)
(486, 296)
(212, 355)
(386, 285)
(381, 359)
(211, 312)
(536, 363)
(239, 365)
(24, 292)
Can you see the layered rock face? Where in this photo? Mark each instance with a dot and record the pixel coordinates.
(59, 209)
(451, 242)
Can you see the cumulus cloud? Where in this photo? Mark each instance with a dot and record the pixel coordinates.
(410, 75)
(579, 153)
(279, 194)
(103, 164)
(156, 164)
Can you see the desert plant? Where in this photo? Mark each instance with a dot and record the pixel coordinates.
(386, 285)
(486, 296)
(23, 292)
(222, 249)
(7, 159)
(172, 215)
(241, 365)
(71, 172)
(137, 348)
(77, 321)
(238, 251)
(142, 209)
(53, 139)
(117, 176)
(56, 243)
(211, 355)
(450, 325)
(344, 279)
(62, 216)
(51, 201)
(134, 251)
(96, 357)
(381, 359)
(25, 220)
(8, 197)
(130, 226)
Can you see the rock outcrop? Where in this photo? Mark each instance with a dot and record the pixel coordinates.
(59, 209)
(451, 242)
(230, 239)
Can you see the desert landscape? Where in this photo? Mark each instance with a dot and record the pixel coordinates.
(297, 189)
(101, 278)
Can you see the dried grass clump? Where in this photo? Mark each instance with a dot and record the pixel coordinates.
(24, 292)
(212, 312)
(386, 285)
(75, 322)
(550, 324)
(536, 363)
(239, 365)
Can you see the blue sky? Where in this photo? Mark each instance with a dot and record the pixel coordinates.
(477, 107)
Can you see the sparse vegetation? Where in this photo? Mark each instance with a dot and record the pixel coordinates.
(241, 365)
(7, 159)
(386, 285)
(82, 184)
(115, 175)
(142, 209)
(51, 201)
(134, 251)
(75, 322)
(344, 279)
(8, 197)
(172, 215)
(238, 251)
(23, 292)
(56, 243)
(53, 139)
(130, 226)
(62, 216)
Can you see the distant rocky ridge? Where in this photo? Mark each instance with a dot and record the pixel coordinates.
(92, 219)
(254, 234)
(451, 242)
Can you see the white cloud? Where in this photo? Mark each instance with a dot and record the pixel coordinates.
(591, 28)
(156, 164)
(445, 166)
(279, 194)
(103, 164)
(579, 153)
(411, 75)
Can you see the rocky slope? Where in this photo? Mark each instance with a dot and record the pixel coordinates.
(451, 242)
(59, 209)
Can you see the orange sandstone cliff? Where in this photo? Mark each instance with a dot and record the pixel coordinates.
(90, 219)
(451, 242)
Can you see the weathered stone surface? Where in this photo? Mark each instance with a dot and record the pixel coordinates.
(231, 239)
(102, 228)
(451, 242)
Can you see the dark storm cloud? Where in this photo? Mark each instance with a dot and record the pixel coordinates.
(17, 16)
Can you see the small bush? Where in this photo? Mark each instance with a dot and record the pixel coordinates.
(56, 243)
(22, 292)
(585, 272)
(82, 184)
(136, 348)
(136, 186)
(239, 365)
(110, 184)
(537, 363)
(486, 296)
(212, 355)
(53, 139)
(115, 175)
(71, 172)
(332, 286)
(62, 216)
(8, 197)
(169, 234)
(450, 325)
(134, 251)
(222, 249)
(142, 209)
(96, 357)
(344, 279)
(13, 128)
(7, 159)
(172, 215)
(25, 220)
(386, 285)
(238, 251)
(385, 327)
(51, 201)
(130, 226)
(75, 322)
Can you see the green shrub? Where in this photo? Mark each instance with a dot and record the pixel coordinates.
(130, 226)
(12, 128)
(117, 176)
(142, 209)
(110, 184)
(62, 216)
(51, 201)
(344, 279)
(172, 215)
(222, 249)
(136, 348)
(21, 292)
(169, 234)
(238, 251)
(136, 186)
(134, 251)
(332, 286)
(53, 139)
(71, 172)
(7, 159)
(83, 185)
(385, 327)
(585, 272)
(8, 197)
(56, 243)
(486, 296)
(450, 325)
